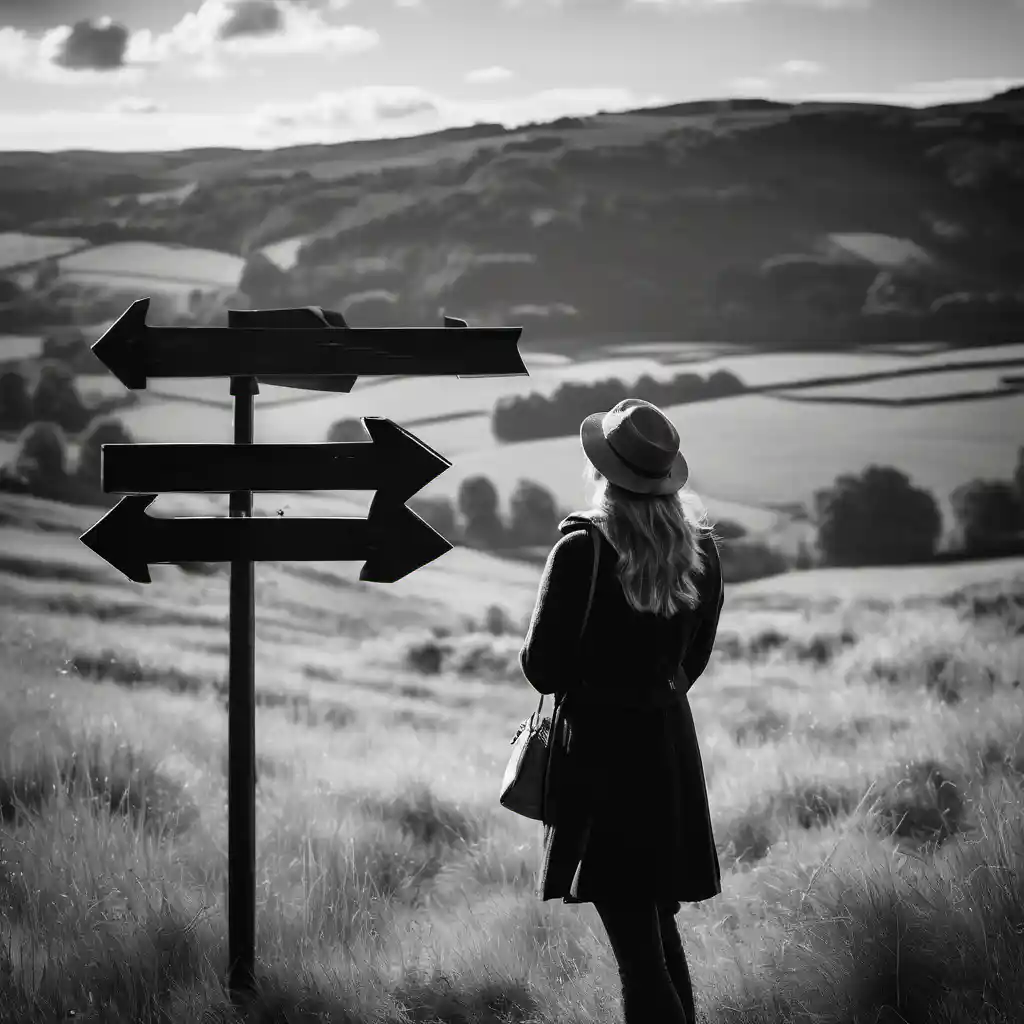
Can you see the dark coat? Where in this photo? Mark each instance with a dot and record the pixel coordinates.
(626, 807)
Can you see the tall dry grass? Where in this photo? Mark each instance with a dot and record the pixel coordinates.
(865, 763)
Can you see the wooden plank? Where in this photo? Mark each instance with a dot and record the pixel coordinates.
(393, 459)
(135, 352)
(392, 539)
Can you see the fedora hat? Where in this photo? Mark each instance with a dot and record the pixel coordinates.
(636, 447)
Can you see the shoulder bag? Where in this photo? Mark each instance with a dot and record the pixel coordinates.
(522, 787)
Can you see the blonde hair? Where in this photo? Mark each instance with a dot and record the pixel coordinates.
(657, 538)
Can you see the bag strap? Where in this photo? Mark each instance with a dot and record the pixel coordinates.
(596, 539)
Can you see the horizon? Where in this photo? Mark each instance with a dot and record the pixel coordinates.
(137, 76)
(497, 125)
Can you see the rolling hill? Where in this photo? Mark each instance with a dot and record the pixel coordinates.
(809, 223)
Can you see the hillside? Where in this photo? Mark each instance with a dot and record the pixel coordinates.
(810, 223)
(860, 736)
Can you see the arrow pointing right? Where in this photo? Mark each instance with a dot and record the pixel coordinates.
(393, 460)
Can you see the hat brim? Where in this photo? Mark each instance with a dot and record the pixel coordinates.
(597, 449)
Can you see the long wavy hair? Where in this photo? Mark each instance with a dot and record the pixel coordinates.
(657, 538)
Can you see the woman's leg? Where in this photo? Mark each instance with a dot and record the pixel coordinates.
(675, 957)
(634, 933)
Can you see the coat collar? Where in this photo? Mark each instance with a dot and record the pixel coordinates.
(581, 519)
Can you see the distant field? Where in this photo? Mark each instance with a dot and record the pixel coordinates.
(16, 346)
(745, 452)
(17, 248)
(284, 253)
(891, 584)
(132, 264)
(926, 386)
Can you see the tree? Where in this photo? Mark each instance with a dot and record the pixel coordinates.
(438, 513)
(262, 281)
(10, 291)
(41, 459)
(533, 514)
(877, 518)
(986, 511)
(15, 403)
(477, 501)
(55, 397)
(103, 430)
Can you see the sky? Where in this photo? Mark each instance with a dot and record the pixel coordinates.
(179, 74)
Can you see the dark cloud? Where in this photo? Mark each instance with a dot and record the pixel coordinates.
(93, 45)
(252, 18)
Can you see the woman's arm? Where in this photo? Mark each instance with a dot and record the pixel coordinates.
(550, 654)
(695, 660)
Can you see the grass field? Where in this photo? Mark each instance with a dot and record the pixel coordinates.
(133, 264)
(861, 734)
(18, 249)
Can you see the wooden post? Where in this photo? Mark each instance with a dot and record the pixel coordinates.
(242, 730)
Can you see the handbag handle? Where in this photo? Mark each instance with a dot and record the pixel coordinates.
(592, 531)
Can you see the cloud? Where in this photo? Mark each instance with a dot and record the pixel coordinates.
(801, 67)
(134, 105)
(251, 18)
(380, 110)
(824, 5)
(246, 27)
(491, 74)
(91, 45)
(746, 86)
(369, 112)
(88, 51)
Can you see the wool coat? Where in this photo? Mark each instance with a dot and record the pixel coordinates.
(626, 810)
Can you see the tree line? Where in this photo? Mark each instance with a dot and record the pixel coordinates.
(532, 416)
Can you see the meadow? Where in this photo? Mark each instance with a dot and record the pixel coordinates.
(862, 734)
(19, 249)
(132, 264)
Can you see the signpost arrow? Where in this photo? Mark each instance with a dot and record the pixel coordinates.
(393, 459)
(134, 352)
(393, 540)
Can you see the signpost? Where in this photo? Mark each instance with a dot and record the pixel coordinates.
(304, 347)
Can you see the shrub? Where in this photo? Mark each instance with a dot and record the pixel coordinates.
(478, 504)
(750, 560)
(533, 514)
(438, 513)
(921, 801)
(987, 511)
(15, 401)
(876, 518)
(41, 460)
(103, 430)
(55, 397)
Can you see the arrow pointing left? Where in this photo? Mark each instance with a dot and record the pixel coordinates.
(392, 540)
(134, 352)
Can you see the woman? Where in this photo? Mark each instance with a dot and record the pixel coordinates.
(627, 825)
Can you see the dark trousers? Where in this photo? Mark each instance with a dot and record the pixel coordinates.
(655, 980)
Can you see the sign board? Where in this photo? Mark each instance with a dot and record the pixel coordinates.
(307, 347)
